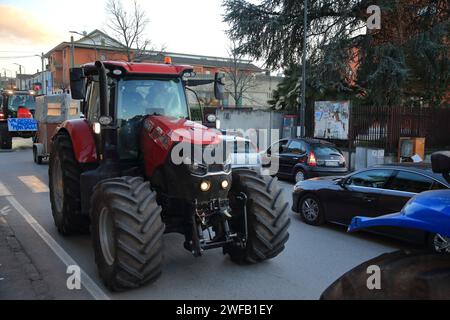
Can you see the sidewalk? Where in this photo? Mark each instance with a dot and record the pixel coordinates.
(19, 278)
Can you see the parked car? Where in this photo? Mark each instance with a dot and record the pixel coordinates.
(302, 159)
(371, 192)
(244, 154)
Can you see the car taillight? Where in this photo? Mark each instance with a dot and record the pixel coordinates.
(312, 161)
(24, 113)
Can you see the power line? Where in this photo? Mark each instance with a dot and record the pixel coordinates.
(17, 57)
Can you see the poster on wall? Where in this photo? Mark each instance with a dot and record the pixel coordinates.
(331, 119)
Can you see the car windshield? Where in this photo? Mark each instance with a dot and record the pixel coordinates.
(151, 97)
(241, 147)
(21, 100)
(326, 151)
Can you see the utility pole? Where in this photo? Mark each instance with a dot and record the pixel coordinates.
(303, 93)
(72, 53)
(43, 84)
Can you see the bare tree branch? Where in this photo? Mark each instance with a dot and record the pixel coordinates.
(128, 27)
(239, 74)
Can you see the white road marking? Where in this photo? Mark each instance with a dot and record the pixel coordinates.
(33, 182)
(5, 210)
(4, 191)
(96, 292)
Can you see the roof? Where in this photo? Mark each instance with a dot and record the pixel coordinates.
(88, 41)
(314, 141)
(94, 40)
(143, 68)
(205, 61)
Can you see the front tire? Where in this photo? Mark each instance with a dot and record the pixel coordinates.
(64, 182)
(311, 210)
(267, 216)
(127, 232)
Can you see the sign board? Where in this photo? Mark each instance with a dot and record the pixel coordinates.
(21, 124)
(331, 119)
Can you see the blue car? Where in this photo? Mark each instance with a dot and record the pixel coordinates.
(428, 211)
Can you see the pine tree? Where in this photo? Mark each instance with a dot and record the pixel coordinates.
(408, 58)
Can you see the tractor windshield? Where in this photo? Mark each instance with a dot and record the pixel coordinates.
(151, 97)
(21, 100)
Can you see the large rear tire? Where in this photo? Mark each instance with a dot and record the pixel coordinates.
(64, 182)
(127, 232)
(267, 217)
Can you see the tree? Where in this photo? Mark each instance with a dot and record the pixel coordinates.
(128, 27)
(408, 56)
(239, 74)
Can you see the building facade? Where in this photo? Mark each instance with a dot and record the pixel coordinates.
(99, 46)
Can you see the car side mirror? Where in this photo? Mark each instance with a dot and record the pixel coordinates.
(219, 86)
(77, 83)
(342, 182)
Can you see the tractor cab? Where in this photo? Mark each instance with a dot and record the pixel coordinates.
(131, 93)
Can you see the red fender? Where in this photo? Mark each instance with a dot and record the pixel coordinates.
(82, 140)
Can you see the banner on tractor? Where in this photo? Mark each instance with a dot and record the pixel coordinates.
(21, 124)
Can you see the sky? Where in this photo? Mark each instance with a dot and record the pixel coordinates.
(30, 27)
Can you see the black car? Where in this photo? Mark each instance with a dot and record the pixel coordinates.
(371, 192)
(302, 159)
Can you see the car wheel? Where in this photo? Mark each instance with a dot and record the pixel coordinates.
(300, 175)
(439, 243)
(311, 210)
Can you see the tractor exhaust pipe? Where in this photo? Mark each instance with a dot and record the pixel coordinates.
(103, 81)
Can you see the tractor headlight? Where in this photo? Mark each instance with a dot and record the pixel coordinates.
(205, 186)
(225, 184)
(195, 167)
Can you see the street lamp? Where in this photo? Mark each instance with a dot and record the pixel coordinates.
(303, 93)
(20, 67)
(84, 34)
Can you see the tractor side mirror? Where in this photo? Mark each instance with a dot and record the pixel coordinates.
(219, 86)
(441, 163)
(77, 83)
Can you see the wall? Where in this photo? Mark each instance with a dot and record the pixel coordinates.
(244, 119)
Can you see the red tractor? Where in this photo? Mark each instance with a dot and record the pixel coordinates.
(118, 171)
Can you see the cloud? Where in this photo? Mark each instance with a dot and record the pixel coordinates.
(20, 26)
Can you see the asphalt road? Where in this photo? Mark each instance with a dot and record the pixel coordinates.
(314, 256)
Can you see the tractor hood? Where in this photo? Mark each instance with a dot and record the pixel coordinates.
(428, 211)
(181, 130)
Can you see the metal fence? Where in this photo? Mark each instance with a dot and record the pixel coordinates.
(383, 126)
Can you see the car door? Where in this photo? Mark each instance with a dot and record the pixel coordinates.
(295, 151)
(272, 157)
(358, 195)
(399, 190)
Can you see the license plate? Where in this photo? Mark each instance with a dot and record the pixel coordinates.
(332, 164)
(21, 124)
